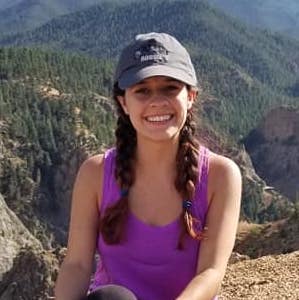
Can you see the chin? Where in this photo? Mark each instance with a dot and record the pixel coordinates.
(161, 137)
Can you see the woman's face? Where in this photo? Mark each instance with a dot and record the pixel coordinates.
(157, 107)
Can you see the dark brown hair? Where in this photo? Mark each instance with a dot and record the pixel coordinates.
(113, 221)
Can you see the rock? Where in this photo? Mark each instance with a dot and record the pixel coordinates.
(32, 276)
(236, 257)
(268, 277)
(13, 237)
(273, 148)
(26, 270)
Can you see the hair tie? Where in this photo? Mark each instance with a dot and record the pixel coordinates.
(187, 204)
(124, 192)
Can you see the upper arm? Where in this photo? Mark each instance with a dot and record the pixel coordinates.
(224, 192)
(84, 220)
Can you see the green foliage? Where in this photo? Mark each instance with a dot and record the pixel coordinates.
(248, 71)
(275, 15)
(24, 15)
(245, 73)
(43, 130)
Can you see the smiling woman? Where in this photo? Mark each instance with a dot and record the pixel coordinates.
(157, 106)
(160, 209)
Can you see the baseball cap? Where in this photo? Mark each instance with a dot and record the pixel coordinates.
(154, 54)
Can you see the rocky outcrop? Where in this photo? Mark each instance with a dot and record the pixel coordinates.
(259, 203)
(26, 270)
(273, 148)
(13, 237)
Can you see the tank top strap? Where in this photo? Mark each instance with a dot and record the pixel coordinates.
(201, 190)
(110, 192)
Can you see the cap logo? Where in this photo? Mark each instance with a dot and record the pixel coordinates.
(151, 52)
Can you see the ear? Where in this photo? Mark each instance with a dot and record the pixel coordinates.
(122, 102)
(192, 94)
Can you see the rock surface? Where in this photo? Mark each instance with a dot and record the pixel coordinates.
(273, 147)
(26, 270)
(265, 278)
(13, 237)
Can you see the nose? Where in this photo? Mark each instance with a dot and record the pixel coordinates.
(158, 99)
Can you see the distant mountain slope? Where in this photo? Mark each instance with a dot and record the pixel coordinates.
(247, 71)
(276, 15)
(273, 148)
(22, 15)
(8, 3)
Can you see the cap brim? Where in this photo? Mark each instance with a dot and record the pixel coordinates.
(134, 75)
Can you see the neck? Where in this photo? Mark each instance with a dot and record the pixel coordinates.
(156, 158)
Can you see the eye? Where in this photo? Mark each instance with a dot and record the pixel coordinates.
(172, 88)
(142, 91)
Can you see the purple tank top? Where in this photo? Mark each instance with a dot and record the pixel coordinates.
(148, 263)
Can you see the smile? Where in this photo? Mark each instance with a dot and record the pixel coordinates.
(160, 118)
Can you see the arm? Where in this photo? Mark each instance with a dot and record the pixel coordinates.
(74, 276)
(224, 192)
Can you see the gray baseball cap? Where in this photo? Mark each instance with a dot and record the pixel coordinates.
(154, 54)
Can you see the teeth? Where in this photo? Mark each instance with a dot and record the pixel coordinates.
(159, 118)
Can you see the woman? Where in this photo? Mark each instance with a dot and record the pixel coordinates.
(161, 209)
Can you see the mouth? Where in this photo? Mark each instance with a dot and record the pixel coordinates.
(159, 118)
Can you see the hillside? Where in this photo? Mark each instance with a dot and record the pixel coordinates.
(51, 117)
(23, 15)
(273, 147)
(53, 114)
(8, 3)
(53, 110)
(245, 71)
(274, 15)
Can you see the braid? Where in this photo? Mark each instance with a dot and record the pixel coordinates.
(114, 219)
(187, 177)
(113, 222)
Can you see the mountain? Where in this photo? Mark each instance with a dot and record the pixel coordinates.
(23, 15)
(275, 15)
(8, 3)
(246, 71)
(53, 114)
(273, 147)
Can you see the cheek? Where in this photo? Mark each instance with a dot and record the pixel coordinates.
(134, 114)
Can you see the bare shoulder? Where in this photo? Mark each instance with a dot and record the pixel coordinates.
(223, 171)
(92, 166)
(219, 164)
(91, 173)
(93, 163)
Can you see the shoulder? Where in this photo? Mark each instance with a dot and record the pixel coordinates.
(92, 165)
(223, 172)
(219, 164)
(90, 173)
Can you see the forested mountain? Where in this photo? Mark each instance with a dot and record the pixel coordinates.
(55, 110)
(52, 114)
(22, 15)
(246, 71)
(8, 3)
(276, 15)
(50, 103)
